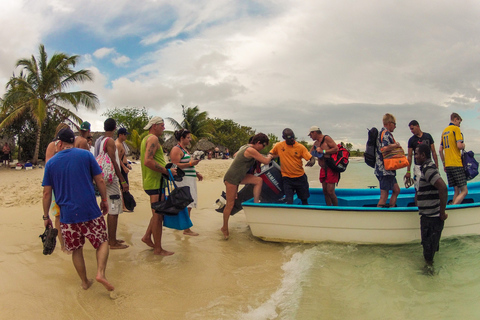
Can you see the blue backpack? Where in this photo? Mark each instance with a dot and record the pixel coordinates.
(470, 165)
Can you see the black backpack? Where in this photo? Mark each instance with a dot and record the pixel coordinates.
(371, 148)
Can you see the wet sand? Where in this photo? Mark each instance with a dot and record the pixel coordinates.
(206, 278)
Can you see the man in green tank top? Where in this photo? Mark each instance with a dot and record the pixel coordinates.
(153, 166)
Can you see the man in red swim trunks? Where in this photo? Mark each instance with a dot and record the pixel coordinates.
(69, 170)
(323, 147)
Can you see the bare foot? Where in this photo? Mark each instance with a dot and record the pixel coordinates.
(87, 285)
(120, 241)
(118, 246)
(148, 242)
(163, 253)
(126, 210)
(105, 283)
(189, 232)
(225, 233)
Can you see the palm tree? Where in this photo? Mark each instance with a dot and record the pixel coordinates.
(39, 90)
(195, 121)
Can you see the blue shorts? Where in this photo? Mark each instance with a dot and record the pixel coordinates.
(387, 182)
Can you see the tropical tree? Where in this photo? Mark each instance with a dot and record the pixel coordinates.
(39, 90)
(135, 142)
(195, 121)
(230, 134)
(130, 118)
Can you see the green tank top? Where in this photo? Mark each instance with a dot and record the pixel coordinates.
(151, 179)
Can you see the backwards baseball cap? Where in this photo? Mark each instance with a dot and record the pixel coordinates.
(85, 126)
(122, 131)
(66, 135)
(154, 120)
(313, 129)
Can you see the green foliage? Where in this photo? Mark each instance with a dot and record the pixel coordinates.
(230, 134)
(130, 118)
(40, 91)
(304, 143)
(195, 121)
(349, 146)
(135, 142)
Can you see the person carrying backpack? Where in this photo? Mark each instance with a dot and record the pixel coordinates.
(323, 147)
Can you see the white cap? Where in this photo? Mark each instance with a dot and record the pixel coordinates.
(313, 129)
(154, 120)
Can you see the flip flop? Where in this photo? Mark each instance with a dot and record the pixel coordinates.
(408, 182)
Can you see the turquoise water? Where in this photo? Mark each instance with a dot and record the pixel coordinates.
(340, 281)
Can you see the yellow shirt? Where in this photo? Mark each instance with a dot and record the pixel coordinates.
(291, 164)
(450, 136)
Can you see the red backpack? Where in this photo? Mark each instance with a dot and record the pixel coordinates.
(338, 161)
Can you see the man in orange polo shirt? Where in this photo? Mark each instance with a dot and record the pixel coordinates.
(294, 178)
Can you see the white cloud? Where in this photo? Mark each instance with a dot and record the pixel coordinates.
(337, 64)
(120, 60)
(103, 52)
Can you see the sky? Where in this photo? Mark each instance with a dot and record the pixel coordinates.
(271, 64)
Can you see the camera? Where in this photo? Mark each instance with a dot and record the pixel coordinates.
(198, 155)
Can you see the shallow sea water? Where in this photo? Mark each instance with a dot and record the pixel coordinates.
(348, 281)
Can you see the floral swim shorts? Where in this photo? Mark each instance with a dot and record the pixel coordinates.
(74, 234)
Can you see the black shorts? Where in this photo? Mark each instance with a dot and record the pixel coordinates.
(431, 231)
(296, 185)
(387, 182)
(153, 192)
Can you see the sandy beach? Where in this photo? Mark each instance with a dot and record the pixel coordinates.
(204, 279)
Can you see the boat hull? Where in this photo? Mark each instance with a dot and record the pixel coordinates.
(355, 224)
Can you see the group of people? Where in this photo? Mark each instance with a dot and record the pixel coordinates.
(431, 191)
(71, 167)
(69, 193)
(291, 155)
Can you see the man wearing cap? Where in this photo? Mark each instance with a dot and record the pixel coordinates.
(70, 170)
(153, 166)
(113, 189)
(294, 178)
(322, 148)
(124, 166)
(81, 140)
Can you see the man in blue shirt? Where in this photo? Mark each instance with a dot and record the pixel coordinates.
(71, 170)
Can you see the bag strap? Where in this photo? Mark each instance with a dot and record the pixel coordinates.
(105, 144)
(172, 180)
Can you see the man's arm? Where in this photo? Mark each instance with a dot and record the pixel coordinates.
(409, 158)
(111, 153)
(151, 148)
(434, 154)
(102, 189)
(121, 153)
(47, 201)
(443, 194)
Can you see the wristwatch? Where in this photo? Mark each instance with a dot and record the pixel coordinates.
(45, 218)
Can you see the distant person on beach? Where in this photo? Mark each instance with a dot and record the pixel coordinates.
(91, 148)
(6, 155)
(387, 178)
(113, 189)
(70, 170)
(450, 152)
(153, 166)
(182, 158)
(81, 141)
(323, 147)
(237, 174)
(294, 178)
(54, 208)
(432, 196)
(419, 137)
(124, 166)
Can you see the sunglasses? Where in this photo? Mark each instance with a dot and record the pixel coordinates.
(289, 137)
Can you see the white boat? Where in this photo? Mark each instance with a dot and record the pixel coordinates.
(357, 219)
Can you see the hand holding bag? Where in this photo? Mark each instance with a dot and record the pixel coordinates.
(178, 199)
(393, 159)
